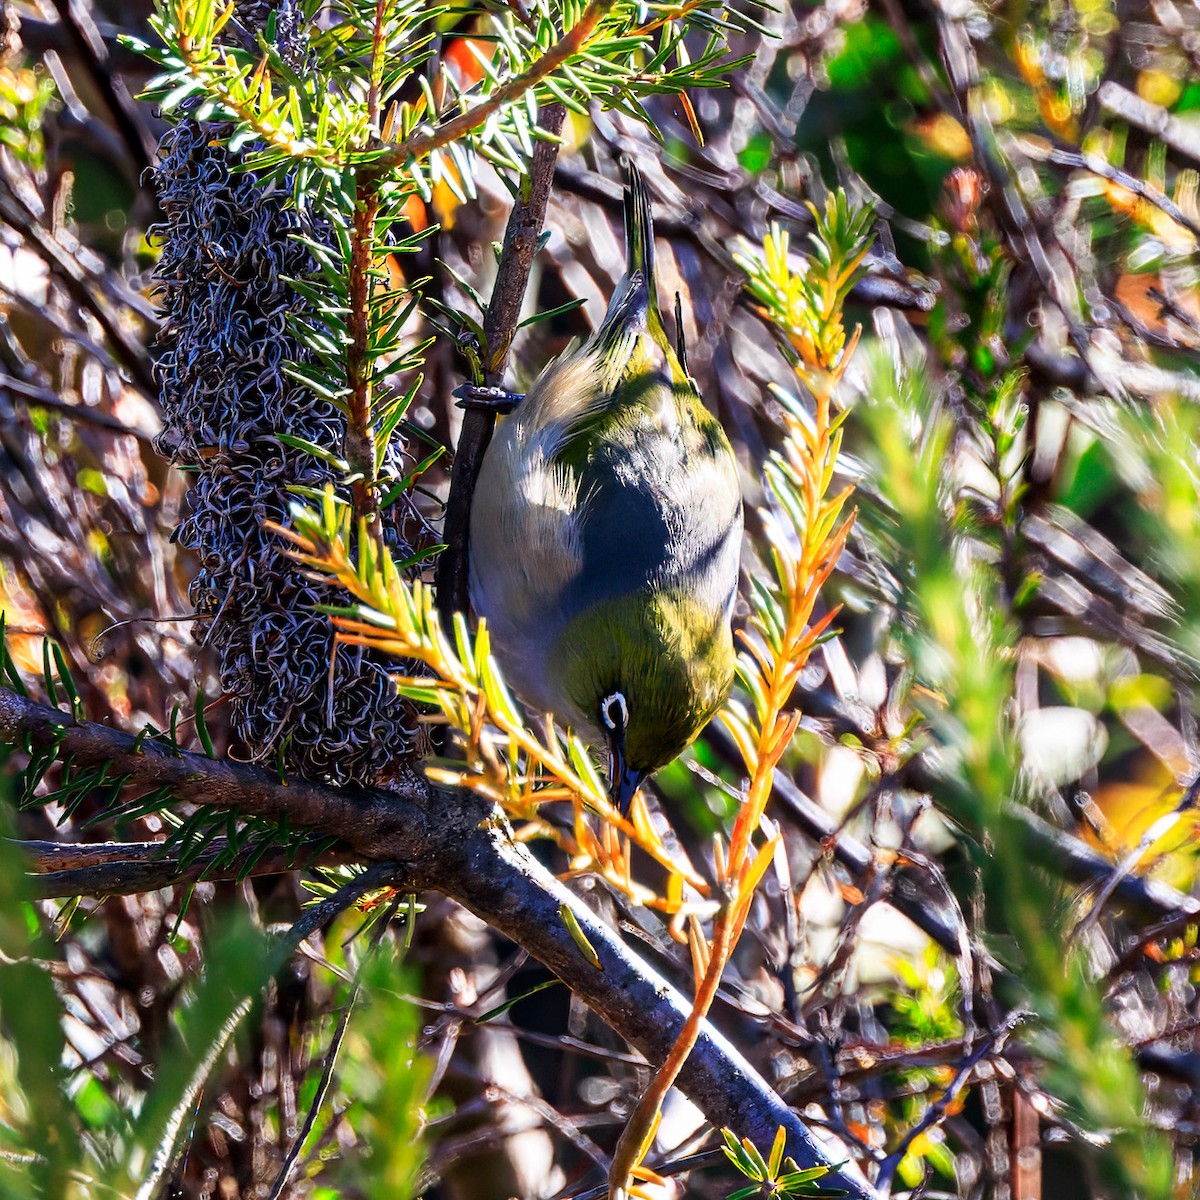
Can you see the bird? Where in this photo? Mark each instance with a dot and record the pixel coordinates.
(605, 534)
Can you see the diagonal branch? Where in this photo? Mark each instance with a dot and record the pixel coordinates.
(571, 43)
(454, 843)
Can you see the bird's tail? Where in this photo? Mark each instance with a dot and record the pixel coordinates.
(634, 304)
(639, 234)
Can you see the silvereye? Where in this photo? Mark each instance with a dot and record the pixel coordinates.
(606, 532)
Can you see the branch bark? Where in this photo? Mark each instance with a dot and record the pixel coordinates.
(129, 868)
(499, 325)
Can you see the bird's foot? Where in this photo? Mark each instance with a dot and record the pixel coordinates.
(487, 399)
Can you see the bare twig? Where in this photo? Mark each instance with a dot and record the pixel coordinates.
(83, 413)
(906, 894)
(668, 1169)
(88, 44)
(936, 1112)
(1129, 863)
(1072, 859)
(1066, 156)
(85, 287)
(875, 289)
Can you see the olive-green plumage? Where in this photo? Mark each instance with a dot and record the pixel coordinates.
(606, 532)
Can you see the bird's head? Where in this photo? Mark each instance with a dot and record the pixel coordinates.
(643, 675)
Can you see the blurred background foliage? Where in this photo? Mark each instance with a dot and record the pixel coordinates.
(975, 965)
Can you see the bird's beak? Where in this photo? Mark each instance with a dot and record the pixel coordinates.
(623, 780)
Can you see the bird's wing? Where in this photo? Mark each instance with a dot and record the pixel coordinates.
(524, 538)
(525, 551)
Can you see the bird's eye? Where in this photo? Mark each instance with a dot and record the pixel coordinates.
(615, 712)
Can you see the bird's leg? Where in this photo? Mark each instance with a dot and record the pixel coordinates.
(488, 399)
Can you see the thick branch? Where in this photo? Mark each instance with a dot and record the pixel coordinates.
(456, 844)
(499, 325)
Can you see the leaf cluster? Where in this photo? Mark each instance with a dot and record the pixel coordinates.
(774, 1176)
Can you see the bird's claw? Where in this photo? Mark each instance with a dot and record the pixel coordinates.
(486, 399)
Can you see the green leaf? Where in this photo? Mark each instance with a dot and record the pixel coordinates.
(551, 313)
(202, 725)
(501, 1009)
(320, 452)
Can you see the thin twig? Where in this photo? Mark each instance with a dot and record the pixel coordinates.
(378, 875)
(84, 286)
(84, 414)
(1065, 156)
(571, 43)
(1130, 861)
(936, 1112)
(88, 44)
(874, 290)
(852, 854)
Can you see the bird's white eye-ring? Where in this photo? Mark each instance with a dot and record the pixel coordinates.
(614, 711)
